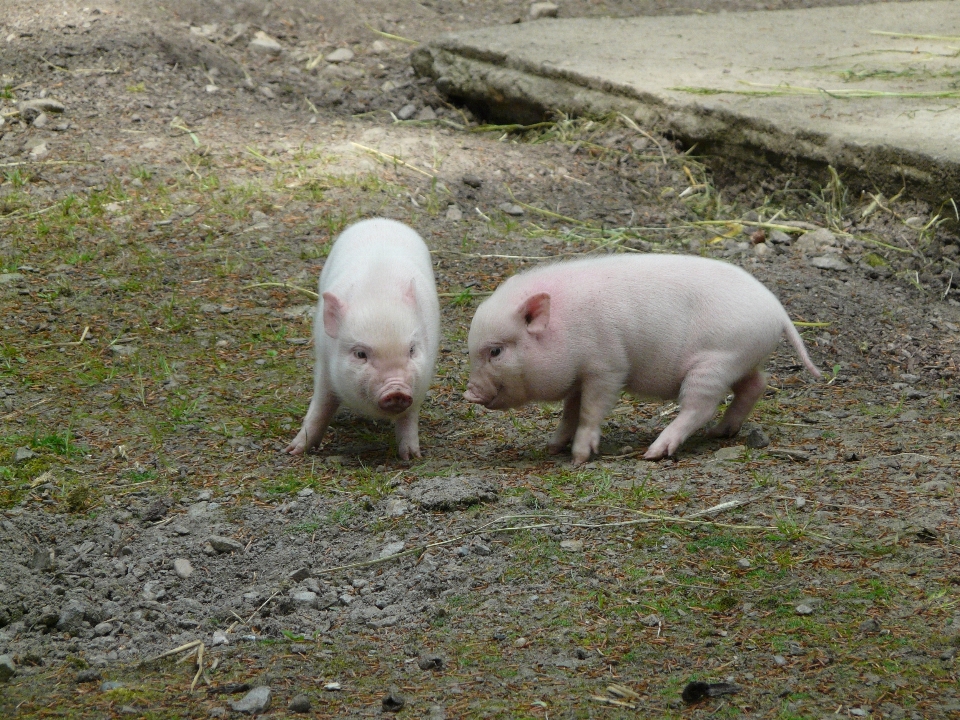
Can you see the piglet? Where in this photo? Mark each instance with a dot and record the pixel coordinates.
(376, 332)
(659, 326)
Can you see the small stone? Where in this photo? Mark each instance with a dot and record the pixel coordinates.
(123, 350)
(756, 438)
(472, 180)
(211, 88)
(254, 702)
(7, 668)
(88, 676)
(733, 452)
(540, 10)
(869, 626)
(153, 591)
(744, 563)
(780, 660)
(300, 574)
(571, 545)
(101, 629)
(41, 120)
(858, 712)
(804, 609)
(427, 113)
(299, 704)
(224, 544)
(407, 111)
(110, 685)
(7, 278)
(267, 92)
(430, 662)
(71, 615)
(23, 453)
(830, 262)
(800, 502)
(332, 686)
(306, 492)
(393, 701)
(511, 209)
(392, 549)
(811, 242)
(219, 638)
(183, 568)
(650, 620)
(761, 249)
(521, 642)
(305, 598)
(778, 237)
(340, 55)
(379, 47)
(264, 43)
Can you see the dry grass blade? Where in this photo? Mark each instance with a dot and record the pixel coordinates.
(286, 286)
(633, 126)
(394, 159)
(177, 650)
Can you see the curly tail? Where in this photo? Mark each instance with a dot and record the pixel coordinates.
(793, 336)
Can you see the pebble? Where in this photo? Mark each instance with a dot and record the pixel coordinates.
(71, 617)
(734, 452)
(267, 92)
(540, 10)
(452, 493)
(7, 278)
(23, 453)
(379, 47)
(392, 549)
(756, 438)
(305, 598)
(393, 701)
(430, 662)
(650, 620)
(183, 568)
(521, 642)
(224, 544)
(744, 563)
(332, 686)
(87, 676)
(38, 150)
(804, 609)
(407, 111)
(511, 209)
(299, 704)
(830, 262)
(264, 43)
(42, 120)
(219, 638)
(254, 702)
(472, 180)
(110, 685)
(571, 545)
(427, 113)
(780, 660)
(300, 574)
(869, 626)
(101, 629)
(778, 237)
(811, 242)
(7, 668)
(340, 55)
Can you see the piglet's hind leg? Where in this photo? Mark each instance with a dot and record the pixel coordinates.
(746, 393)
(701, 392)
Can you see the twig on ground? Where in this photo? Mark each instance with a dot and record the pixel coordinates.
(17, 413)
(183, 648)
(287, 286)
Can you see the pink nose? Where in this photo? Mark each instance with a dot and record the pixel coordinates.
(395, 402)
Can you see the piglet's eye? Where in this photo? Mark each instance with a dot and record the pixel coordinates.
(413, 350)
(360, 354)
(494, 352)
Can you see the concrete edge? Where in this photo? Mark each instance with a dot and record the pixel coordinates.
(505, 90)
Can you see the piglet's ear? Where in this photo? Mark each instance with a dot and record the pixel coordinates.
(535, 311)
(410, 294)
(333, 311)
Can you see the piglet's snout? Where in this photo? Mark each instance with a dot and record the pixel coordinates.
(395, 400)
(472, 394)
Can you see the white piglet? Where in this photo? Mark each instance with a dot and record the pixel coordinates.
(376, 332)
(660, 326)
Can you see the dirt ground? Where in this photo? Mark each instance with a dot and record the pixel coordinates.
(168, 195)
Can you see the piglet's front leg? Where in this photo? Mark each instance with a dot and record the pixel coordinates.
(598, 395)
(568, 424)
(407, 431)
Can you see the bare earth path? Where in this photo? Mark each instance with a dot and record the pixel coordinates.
(162, 225)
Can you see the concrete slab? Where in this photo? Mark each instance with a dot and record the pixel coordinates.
(873, 90)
